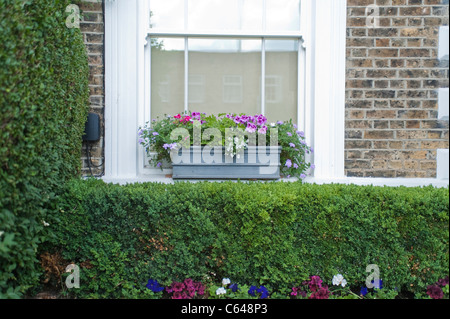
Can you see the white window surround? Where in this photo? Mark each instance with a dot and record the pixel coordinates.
(322, 94)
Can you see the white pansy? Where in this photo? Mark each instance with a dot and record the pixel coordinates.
(339, 280)
(226, 281)
(221, 291)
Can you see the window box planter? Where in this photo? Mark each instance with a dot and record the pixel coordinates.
(257, 162)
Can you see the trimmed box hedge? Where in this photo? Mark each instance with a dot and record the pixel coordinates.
(44, 98)
(275, 234)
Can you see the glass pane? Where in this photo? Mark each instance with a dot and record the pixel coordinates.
(224, 76)
(225, 15)
(281, 80)
(167, 78)
(167, 14)
(283, 15)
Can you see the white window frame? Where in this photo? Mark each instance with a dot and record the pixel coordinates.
(321, 91)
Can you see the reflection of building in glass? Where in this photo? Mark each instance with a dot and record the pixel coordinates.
(227, 79)
(232, 89)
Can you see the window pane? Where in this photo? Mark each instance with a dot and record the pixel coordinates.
(167, 14)
(231, 73)
(281, 80)
(225, 15)
(283, 15)
(167, 78)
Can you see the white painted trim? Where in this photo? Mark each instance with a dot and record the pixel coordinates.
(442, 159)
(228, 34)
(443, 50)
(443, 104)
(390, 182)
(329, 87)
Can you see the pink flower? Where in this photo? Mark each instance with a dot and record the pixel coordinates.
(178, 116)
(262, 130)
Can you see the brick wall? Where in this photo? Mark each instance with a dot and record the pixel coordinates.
(393, 75)
(92, 27)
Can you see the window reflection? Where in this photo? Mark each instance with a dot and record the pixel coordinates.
(232, 71)
(281, 82)
(167, 78)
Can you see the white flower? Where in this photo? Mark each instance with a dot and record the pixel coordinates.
(339, 280)
(221, 291)
(1, 233)
(45, 223)
(226, 281)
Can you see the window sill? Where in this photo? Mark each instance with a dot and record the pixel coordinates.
(395, 182)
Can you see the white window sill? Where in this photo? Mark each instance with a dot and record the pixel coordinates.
(408, 182)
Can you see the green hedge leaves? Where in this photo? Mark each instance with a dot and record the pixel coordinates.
(276, 234)
(44, 97)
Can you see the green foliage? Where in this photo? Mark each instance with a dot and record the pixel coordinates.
(271, 234)
(43, 101)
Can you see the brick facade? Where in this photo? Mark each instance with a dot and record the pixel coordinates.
(393, 74)
(92, 27)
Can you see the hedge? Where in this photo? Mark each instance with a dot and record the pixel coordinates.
(272, 234)
(44, 97)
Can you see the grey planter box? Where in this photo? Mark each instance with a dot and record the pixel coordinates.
(256, 163)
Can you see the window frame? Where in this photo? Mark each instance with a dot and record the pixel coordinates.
(321, 92)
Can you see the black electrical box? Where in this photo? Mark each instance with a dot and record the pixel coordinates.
(92, 128)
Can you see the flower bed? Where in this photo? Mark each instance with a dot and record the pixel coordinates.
(313, 288)
(232, 132)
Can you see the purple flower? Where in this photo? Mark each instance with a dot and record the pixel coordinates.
(154, 286)
(435, 292)
(170, 146)
(252, 291)
(251, 128)
(261, 120)
(141, 140)
(237, 120)
(292, 145)
(289, 134)
(300, 133)
(234, 287)
(363, 291)
(315, 283)
(443, 281)
(295, 165)
(140, 132)
(313, 166)
(155, 133)
(280, 122)
(159, 164)
(302, 176)
(263, 291)
(288, 163)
